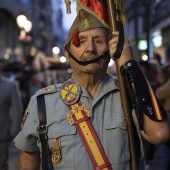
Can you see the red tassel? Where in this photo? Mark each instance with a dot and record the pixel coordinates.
(75, 38)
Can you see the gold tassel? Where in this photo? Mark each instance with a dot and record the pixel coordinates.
(68, 3)
(75, 38)
(121, 7)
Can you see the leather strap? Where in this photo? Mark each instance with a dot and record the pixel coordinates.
(120, 43)
(80, 118)
(42, 131)
(141, 94)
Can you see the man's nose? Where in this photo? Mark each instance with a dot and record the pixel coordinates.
(91, 47)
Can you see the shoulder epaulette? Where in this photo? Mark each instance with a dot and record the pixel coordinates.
(49, 89)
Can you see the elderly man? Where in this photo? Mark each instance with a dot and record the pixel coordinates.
(83, 126)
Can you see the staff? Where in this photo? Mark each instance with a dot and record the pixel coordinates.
(123, 93)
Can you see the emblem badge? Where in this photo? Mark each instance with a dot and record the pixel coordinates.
(86, 24)
(70, 92)
(56, 154)
(150, 110)
(24, 118)
(47, 88)
(76, 110)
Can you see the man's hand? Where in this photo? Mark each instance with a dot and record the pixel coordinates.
(127, 50)
(29, 161)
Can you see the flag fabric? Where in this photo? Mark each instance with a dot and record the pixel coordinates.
(95, 7)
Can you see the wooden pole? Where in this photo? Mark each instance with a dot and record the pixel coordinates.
(123, 92)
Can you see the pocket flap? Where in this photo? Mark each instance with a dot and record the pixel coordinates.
(115, 120)
(56, 131)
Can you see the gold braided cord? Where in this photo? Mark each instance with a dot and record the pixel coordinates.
(120, 4)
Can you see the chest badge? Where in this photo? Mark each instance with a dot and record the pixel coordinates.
(70, 92)
(56, 154)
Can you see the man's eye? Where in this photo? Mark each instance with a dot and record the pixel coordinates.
(98, 41)
(82, 41)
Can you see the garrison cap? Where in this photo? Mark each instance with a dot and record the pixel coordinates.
(84, 21)
(92, 14)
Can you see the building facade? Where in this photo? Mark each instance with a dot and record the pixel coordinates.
(161, 28)
(41, 36)
(148, 22)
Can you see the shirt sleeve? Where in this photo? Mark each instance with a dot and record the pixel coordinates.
(27, 138)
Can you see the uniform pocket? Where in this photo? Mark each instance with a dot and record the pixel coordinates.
(116, 137)
(67, 141)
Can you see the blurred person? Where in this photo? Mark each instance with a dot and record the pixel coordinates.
(38, 77)
(84, 126)
(158, 58)
(163, 93)
(149, 147)
(167, 54)
(10, 114)
(146, 68)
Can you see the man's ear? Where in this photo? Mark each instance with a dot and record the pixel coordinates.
(66, 53)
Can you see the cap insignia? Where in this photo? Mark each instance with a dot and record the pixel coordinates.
(86, 24)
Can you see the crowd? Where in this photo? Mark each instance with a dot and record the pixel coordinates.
(34, 75)
(158, 75)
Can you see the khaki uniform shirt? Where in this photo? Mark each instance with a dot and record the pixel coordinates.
(107, 120)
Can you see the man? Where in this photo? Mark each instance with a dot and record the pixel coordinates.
(76, 141)
(10, 114)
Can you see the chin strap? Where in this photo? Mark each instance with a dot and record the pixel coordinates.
(84, 63)
(142, 96)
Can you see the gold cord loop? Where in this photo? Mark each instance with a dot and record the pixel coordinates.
(68, 4)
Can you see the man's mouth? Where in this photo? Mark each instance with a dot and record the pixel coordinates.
(87, 61)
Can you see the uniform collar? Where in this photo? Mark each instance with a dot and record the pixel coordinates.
(108, 84)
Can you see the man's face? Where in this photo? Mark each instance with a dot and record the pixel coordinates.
(93, 43)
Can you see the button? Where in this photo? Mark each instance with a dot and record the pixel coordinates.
(125, 123)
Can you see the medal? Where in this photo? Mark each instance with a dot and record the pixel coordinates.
(56, 154)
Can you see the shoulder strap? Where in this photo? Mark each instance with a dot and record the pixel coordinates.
(42, 130)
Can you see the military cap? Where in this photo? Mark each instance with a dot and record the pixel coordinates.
(84, 21)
